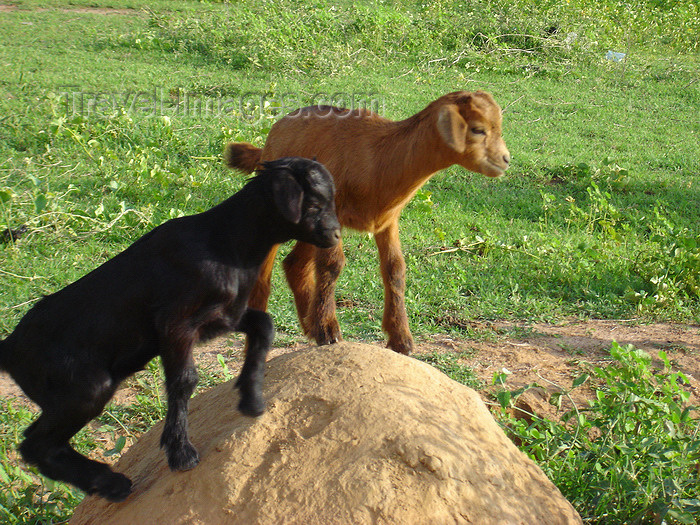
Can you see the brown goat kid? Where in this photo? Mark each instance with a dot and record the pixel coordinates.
(377, 165)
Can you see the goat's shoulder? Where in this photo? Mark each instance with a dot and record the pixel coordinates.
(163, 241)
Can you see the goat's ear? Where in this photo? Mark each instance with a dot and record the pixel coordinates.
(288, 196)
(452, 127)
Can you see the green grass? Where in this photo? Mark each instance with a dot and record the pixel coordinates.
(28, 497)
(448, 363)
(631, 455)
(597, 217)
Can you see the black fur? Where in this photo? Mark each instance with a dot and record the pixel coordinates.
(185, 281)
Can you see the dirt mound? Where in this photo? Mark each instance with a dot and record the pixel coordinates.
(353, 434)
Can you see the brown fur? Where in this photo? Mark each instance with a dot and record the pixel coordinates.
(378, 165)
(244, 157)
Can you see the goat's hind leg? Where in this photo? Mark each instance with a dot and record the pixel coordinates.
(260, 333)
(46, 443)
(180, 381)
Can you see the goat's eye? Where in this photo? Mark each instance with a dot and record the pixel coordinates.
(479, 131)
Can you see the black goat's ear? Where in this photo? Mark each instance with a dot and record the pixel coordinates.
(288, 196)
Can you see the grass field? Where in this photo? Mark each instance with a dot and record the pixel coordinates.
(114, 114)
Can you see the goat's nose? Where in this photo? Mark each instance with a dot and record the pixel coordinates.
(336, 234)
(506, 158)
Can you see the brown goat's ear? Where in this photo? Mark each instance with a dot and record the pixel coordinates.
(288, 196)
(452, 127)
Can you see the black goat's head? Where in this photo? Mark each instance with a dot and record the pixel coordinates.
(304, 194)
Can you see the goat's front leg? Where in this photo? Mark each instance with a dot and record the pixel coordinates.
(260, 294)
(180, 381)
(321, 318)
(393, 268)
(299, 268)
(260, 333)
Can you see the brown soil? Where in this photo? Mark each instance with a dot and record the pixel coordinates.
(550, 355)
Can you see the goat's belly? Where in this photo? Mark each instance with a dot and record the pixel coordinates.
(215, 328)
(219, 319)
(356, 223)
(372, 226)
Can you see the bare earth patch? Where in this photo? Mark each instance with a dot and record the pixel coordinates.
(550, 355)
(554, 355)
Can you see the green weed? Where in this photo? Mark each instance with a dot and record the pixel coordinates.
(448, 363)
(28, 497)
(631, 455)
(669, 267)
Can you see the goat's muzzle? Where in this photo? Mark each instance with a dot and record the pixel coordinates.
(328, 238)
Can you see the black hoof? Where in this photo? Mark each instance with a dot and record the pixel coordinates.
(112, 486)
(251, 407)
(183, 458)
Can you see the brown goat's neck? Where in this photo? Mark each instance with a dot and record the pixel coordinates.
(409, 153)
(422, 147)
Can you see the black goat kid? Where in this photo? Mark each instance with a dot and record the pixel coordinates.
(186, 281)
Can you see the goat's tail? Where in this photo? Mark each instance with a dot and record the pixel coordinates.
(242, 156)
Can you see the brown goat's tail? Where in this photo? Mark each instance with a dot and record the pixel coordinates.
(242, 156)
